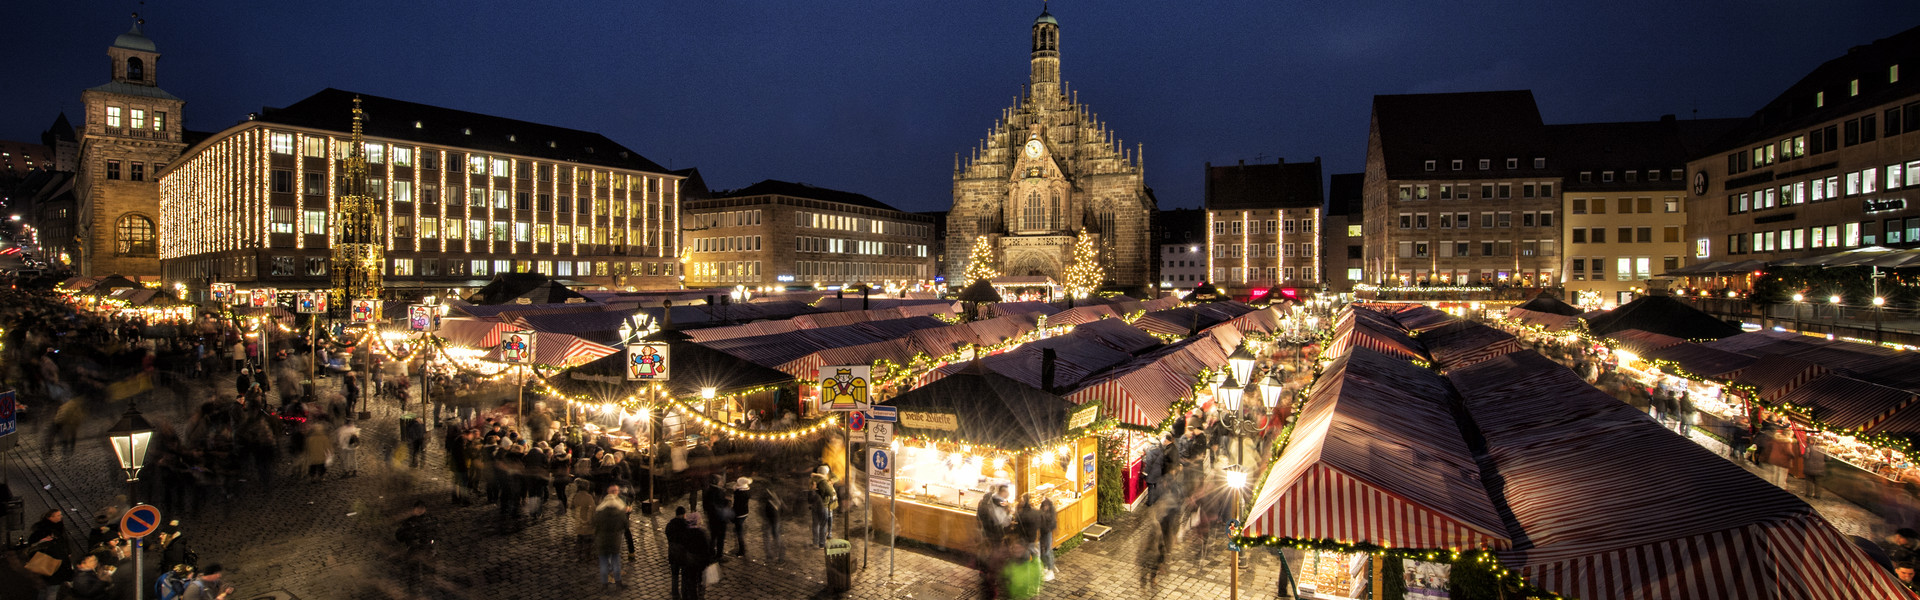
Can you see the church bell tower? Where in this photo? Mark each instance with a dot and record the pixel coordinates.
(1045, 78)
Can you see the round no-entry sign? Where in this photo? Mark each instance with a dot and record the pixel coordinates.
(140, 520)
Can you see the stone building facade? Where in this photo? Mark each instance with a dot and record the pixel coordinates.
(784, 233)
(1048, 168)
(131, 131)
(1263, 224)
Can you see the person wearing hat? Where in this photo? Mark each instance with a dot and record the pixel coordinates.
(207, 585)
(822, 500)
(742, 494)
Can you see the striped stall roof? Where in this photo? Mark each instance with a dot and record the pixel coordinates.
(1774, 374)
(807, 367)
(1642, 342)
(941, 341)
(1375, 457)
(1464, 343)
(1544, 320)
(1374, 331)
(1606, 503)
(1082, 314)
(1764, 342)
(1846, 403)
(999, 330)
(471, 332)
(1115, 334)
(710, 334)
(1021, 308)
(1702, 360)
(1422, 318)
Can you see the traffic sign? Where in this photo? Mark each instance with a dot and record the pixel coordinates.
(883, 414)
(139, 521)
(857, 420)
(8, 411)
(879, 432)
(880, 473)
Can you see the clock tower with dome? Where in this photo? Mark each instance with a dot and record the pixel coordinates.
(1047, 169)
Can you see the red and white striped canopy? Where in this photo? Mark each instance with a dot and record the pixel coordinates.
(1375, 457)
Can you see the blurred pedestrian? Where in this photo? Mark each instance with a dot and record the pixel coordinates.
(742, 496)
(822, 500)
(770, 509)
(609, 523)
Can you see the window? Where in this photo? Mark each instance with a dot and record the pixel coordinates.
(1457, 164)
(314, 221)
(315, 147)
(403, 226)
(476, 230)
(280, 143)
(137, 171)
(1506, 190)
(1632, 176)
(1673, 205)
(1599, 235)
(1486, 164)
(1586, 177)
(159, 121)
(1486, 220)
(281, 220)
(1579, 236)
(113, 169)
(476, 165)
(1513, 163)
(1606, 176)
(1546, 218)
(137, 119)
(1527, 219)
(1420, 192)
(1354, 231)
(1819, 99)
(113, 117)
(402, 191)
(1406, 220)
(502, 167)
(1579, 206)
(1643, 235)
(1645, 205)
(1670, 234)
(1506, 219)
(1853, 88)
(1420, 221)
(502, 199)
(402, 267)
(314, 184)
(1431, 165)
(402, 157)
(134, 236)
(1486, 191)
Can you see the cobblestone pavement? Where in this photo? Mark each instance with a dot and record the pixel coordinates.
(332, 539)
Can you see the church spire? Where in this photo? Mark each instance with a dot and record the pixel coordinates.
(1044, 81)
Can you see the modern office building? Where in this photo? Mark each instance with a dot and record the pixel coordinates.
(781, 233)
(465, 196)
(1047, 169)
(1460, 189)
(1263, 225)
(1343, 233)
(1183, 247)
(1831, 163)
(1625, 203)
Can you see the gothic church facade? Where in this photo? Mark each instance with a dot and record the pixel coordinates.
(1047, 169)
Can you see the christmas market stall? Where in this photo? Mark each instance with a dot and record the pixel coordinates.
(961, 437)
(1613, 505)
(1374, 464)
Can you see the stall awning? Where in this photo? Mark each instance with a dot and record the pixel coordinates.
(1701, 360)
(1847, 403)
(1374, 331)
(1376, 457)
(1463, 343)
(1642, 342)
(1775, 375)
(980, 407)
(1606, 503)
(1547, 321)
(1422, 318)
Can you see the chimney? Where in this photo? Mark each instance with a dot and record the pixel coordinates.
(666, 314)
(1046, 369)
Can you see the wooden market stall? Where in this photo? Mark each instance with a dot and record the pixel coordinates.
(960, 437)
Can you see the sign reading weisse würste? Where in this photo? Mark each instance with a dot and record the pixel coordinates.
(929, 420)
(1083, 416)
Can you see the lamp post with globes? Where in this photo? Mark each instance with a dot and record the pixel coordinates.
(1236, 480)
(1229, 395)
(1835, 301)
(130, 438)
(1879, 304)
(1798, 300)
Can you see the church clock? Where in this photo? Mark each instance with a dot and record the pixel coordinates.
(1033, 148)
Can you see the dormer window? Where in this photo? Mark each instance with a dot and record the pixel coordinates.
(419, 125)
(1893, 74)
(1459, 164)
(1432, 164)
(552, 144)
(1539, 163)
(466, 131)
(1513, 163)
(1819, 99)
(512, 138)
(1853, 88)
(1486, 163)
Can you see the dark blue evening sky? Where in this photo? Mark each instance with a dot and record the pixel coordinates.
(877, 97)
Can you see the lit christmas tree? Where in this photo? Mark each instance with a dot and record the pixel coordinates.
(1086, 274)
(979, 262)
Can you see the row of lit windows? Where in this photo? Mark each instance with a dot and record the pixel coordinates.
(1465, 249)
(314, 266)
(1623, 206)
(731, 243)
(732, 218)
(1464, 220)
(1485, 164)
(1237, 226)
(1464, 191)
(1628, 268)
(859, 224)
(1864, 181)
(1859, 130)
(1253, 250)
(837, 245)
(857, 271)
(316, 222)
(137, 119)
(136, 170)
(1628, 235)
(1264, 274)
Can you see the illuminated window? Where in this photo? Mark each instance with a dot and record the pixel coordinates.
(315, 221)
(134, 236)
(280, 143)
(138, 119)
(429, 228)
(403, 157)
(159, 121)
(314, 146)
(281, 220)
(113, 117)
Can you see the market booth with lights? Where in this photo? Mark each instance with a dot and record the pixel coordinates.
(961, 436)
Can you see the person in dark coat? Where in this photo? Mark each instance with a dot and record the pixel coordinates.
(676, 533)
(742, 496)
(770, 509)
(692, 583)
(1153, 467)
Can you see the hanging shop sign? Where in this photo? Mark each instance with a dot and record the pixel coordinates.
(222, 292)
(844, 388)
(648, 362)
(516, 347)
(929, 420)
(264, 297)
(366, 311)
(1083, 416)
(311, 303)
(420, 317)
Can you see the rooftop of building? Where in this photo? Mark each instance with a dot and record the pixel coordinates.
(1801, 106)
(332, 110)
(774, 187)
(1465, 126)
(1264, 186)
(1659, 146)
(1181, 225)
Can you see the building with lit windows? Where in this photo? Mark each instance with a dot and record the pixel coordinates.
(1625, 203)
(466, 196)
(1263, 225)
(130, 132)
(784, 233)
(1460, 189)
(1183, 247)
(1831, 163)
(1342, 233)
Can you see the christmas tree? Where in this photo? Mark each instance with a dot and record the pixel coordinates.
(979, 262)
(1086, 274)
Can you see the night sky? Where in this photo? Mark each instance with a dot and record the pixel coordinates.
(877, 97)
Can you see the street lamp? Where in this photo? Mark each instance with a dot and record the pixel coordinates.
(1878, 304)
(1241, 362)
(1236, 477)
(1835, 300)
(1798, 299)
(130, 438)
(1270, 391)
(1229, 393)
